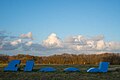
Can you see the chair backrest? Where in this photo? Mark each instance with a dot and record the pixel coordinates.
(29, 65)
(12, 65)
(103, 66)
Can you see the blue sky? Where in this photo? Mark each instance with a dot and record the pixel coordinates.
(37, 19)
(63, 17)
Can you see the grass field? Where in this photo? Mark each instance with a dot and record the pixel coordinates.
(59, 74)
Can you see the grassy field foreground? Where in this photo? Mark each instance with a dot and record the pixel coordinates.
(59, 74)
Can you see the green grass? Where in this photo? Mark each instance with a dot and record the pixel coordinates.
(59, 74)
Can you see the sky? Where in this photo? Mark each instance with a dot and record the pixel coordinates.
(35, 21)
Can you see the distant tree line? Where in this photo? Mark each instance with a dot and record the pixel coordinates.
(113, 58)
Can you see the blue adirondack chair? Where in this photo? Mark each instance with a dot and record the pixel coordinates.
(29, 65)
(12, 65)
(47, 69)
(103, 67)
(71, 69)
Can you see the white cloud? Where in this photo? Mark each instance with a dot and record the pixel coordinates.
(27, 36)
(91, 44)
(97, 38)
(9, 46)
(100, 45)
(113, 45)
(29, 43)
(15, 42)
(52, 41)
(76, 40)
(33, 47)
(53, 44)
(2, 36)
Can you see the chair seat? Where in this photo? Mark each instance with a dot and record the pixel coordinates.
(93, 70)
(47, 69)
(103, 67)
(71, 69)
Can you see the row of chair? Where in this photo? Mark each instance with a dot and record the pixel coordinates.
(12, 66)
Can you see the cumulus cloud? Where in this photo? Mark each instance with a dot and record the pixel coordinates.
(32, 47)
(83, 43)
(113, 45)
(15, 42)
(29, 43)
(53, 44)
(100, 45)
(27, 36)
(91, 44)
(75, 42)
(2, 36)
(9, 46)
(52, 41)
(97, 38)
